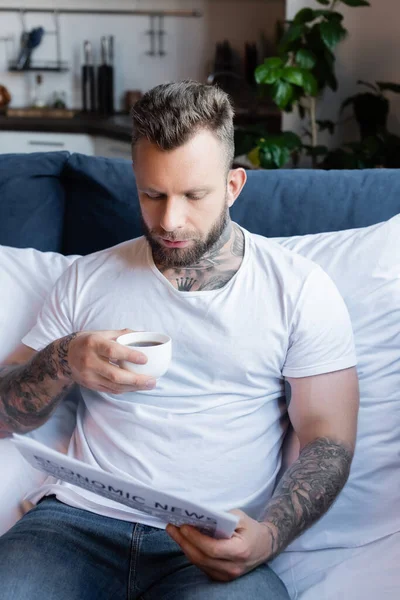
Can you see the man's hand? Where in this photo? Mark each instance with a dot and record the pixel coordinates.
(31, 391)
(225, 560)
(87, 358)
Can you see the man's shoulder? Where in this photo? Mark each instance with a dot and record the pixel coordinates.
(129, 253)
(288, 263)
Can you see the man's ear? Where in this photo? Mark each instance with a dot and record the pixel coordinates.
(236, 181)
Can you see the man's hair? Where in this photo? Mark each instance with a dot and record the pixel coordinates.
(170, 114)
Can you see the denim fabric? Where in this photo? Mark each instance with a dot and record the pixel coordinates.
(56, 552)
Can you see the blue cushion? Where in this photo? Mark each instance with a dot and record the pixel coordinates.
(102, 207)
(32, 200)
(296, 202)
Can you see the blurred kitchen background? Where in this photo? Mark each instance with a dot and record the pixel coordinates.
(42, 55)
(46, 89)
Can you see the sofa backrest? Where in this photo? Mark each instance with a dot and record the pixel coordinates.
(32, 200)
(78, 204)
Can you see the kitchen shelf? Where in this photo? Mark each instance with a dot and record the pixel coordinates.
(49, 66)
(88, 11)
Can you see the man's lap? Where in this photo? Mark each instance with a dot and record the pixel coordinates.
(62, 553)
(57, 552)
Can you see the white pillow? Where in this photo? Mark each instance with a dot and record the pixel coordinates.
(365, 265)
(26, 277)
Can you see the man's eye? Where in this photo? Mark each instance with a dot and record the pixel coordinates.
(153, 196)
(193, 197)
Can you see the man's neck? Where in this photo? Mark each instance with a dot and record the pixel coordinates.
(215, 268)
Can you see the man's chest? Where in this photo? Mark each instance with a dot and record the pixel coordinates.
(218, 342)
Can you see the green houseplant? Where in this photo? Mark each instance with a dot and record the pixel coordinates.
(377, 146)
(297, 78)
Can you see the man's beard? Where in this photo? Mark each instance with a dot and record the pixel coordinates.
(171, 258)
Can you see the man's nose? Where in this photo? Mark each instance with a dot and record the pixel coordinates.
(173, 215)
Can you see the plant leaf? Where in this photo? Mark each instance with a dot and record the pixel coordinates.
(280, 155)
(390, 87)
(340, 159)
(291, 140)
(282, 93)
(302, 78)
(306, 59)
(347, 102)
(367, 84)
(331, 80)
(324, 2)
(246, 138)
(273, 62)
(254, 157)
(293, 33)
(316, 150)
(302, 111)
(328, 14)
(310, 84)
(305, 15)
(327, 125)
(294, 75)
(267, 75)
(266, 160)
(332, 32)
(355, 2)
(275, 150)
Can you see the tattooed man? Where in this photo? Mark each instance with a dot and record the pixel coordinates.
(247, 318)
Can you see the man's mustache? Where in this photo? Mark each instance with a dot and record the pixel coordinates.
(171, 238)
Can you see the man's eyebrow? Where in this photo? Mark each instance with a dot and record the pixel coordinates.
(191, 191)
(198, 190)
(151, 190)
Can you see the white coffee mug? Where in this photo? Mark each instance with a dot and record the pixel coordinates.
(158, 352)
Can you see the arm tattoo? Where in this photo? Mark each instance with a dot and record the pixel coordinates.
(29, 393)
(306, 491)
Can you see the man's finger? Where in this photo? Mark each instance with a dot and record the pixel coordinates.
(220, 549)
(113, 334)
(113, 351)
(115, 374)
(126, 380)
(242, 517)
(204, 546)
(136, 383)
(218, 569)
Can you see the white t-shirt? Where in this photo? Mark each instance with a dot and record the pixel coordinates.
(211, 431)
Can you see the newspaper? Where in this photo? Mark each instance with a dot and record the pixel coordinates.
(166, 507)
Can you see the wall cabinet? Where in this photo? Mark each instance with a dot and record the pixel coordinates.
(25, 141)
(112, 148)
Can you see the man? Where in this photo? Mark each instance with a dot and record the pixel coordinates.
(245, 315)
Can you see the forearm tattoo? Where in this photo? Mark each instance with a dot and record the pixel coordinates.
(306, 491)
(27, 392)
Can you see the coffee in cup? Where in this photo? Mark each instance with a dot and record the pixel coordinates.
(156, 346)
(144, 344)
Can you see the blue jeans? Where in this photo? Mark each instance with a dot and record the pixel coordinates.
(56, 552)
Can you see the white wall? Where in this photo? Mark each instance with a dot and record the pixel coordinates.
(371, 53)
(190, 42)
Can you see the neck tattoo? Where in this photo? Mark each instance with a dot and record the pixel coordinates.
(215, 268)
